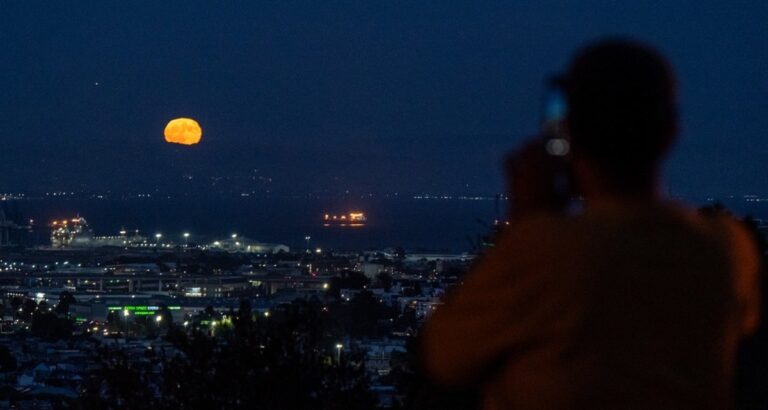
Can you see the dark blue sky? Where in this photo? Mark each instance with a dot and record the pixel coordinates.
(369, 96)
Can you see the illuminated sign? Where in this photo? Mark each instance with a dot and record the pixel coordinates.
(140, 310)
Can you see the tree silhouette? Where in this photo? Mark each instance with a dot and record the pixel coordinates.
(384, 279)
(28, 308)
(66, 299)
(7, 360)
(277, 362)
(48, 325)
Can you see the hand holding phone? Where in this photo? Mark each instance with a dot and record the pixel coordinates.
(539, 173)
(534, 180)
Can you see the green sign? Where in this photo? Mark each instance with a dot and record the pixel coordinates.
(142, 308)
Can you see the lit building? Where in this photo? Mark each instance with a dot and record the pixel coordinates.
(246, 245)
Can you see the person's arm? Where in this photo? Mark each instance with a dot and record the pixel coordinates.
(488, 317)
(500, 307)
(747, 267)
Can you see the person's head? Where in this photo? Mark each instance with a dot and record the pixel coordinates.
(622, 115)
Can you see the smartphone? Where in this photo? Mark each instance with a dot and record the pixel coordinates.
(556, 141)
(554, 111)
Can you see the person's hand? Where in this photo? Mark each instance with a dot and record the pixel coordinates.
(534, 180)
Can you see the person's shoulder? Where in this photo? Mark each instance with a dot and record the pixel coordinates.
(721, 222)
(609, 220)
(720, 225)
(533, 236)
(534, 226)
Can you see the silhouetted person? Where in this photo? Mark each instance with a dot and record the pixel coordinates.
(634, 302)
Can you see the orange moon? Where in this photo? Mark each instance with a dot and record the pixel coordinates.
(185, 131)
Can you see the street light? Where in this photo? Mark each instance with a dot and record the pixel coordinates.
(339, 346)
(126, 312)
(158, 319)
(234, 235)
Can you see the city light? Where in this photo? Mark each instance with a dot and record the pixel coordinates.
(158, 319)
(186, 235)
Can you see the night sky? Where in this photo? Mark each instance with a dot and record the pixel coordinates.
(378, 96)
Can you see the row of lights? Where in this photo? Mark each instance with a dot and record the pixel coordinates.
(159, 319)
(186, 235)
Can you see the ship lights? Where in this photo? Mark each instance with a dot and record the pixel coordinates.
(352, 219)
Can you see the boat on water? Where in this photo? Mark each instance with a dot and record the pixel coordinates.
(351, 219)
(76, 233)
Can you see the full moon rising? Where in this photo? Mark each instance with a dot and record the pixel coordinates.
(184, 131)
